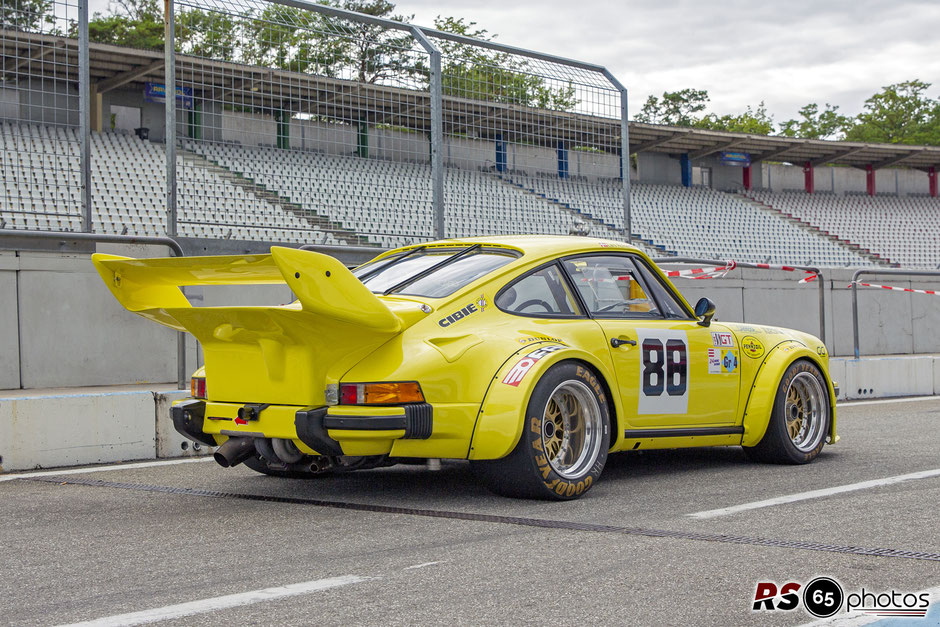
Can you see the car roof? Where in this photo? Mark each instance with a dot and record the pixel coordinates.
(535, 246)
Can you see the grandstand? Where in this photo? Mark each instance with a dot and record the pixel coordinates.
(903, 230)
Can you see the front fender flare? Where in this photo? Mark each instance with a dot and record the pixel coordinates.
(763, 393)
(502, 413)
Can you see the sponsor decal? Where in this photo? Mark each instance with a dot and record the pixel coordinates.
(752, 347)
(821, 350)
(538, 338)
(522, 367)
(824, 597)
(771, 330)
(746, 328)
(664, 372)
(481, 302)
(729, 361)
(723, 340)
(714, 361)
(458, 315)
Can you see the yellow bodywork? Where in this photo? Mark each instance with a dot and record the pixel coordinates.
(337, 331)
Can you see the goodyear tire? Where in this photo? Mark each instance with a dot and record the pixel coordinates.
(800, 418)
(564, 441)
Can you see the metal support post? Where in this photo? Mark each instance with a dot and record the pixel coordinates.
(84, 114)
(170, 110)
(437, 132)
(624, 155)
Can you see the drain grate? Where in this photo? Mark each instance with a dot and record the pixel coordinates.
(505, 520)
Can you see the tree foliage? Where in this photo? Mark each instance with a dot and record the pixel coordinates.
(676, 108)
(755, 121)
(816, 124)
(135, 23)
(26, 15)
(902, 113)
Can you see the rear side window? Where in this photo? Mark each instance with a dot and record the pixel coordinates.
(384, 274)
(541, 294)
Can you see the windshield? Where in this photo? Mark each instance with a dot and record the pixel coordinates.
(464, 267)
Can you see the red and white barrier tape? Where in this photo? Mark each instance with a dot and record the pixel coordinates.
(897, 289)
(812, 275)
(715, 272)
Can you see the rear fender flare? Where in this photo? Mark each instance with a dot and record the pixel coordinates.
(760, 403)
(502, 413)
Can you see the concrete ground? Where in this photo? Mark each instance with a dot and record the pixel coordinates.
(141, 541)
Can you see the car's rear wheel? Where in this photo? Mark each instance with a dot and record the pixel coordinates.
(564, 442)
(799, 421)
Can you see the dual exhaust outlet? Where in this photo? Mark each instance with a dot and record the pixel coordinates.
(274, 450)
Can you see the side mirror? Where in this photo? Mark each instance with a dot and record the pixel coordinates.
(704, 309)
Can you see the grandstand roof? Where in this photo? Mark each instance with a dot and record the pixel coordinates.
(112, 67)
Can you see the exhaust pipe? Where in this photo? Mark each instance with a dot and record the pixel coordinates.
(234, 452)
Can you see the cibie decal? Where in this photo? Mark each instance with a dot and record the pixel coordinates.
(729, 361)
(518, 372)
(458, 315)
(714, 361)
(664, 372)
(752, 347)
(481, 302)
(722, 340)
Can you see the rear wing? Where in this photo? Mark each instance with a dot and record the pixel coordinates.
(322, 284)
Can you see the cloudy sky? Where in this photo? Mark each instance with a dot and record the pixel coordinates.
(784, 53)
(742, 52)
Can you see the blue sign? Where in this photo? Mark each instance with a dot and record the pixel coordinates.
(156, 92)
(741, 159)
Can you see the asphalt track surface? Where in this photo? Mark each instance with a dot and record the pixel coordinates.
(409, 545)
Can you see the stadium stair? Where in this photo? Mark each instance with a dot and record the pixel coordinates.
(315, 220)
(874, 257)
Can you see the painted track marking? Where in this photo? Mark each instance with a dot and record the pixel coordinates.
(815, 494)
(110, 467)
(883, 401)
(221, 603)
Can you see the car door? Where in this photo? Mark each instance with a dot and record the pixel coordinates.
(671, 372)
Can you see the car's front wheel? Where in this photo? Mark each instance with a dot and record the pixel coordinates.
(564, 442)
(799, 421)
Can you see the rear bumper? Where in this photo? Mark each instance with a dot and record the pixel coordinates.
(337, 430)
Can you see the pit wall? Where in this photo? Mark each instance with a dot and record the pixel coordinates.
(61, 327)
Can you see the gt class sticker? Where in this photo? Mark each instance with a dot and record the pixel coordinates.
(518, 372)
(722, 340)
(664, 372)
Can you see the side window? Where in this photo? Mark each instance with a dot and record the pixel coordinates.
(663, 295)
(610, 287)
(540, 294)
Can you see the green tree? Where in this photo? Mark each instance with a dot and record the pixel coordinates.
(899, 114)
(816, 124)
(26, 15)
(755, 121)
(675, 108)
(479, 73)
(208, 34)
(136, 23)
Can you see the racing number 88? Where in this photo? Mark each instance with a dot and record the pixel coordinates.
(672, 359)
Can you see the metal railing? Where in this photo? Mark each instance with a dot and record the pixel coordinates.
(857, 274)
(820, 279)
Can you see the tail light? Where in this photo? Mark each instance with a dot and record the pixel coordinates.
(197, 387)
(380, 393)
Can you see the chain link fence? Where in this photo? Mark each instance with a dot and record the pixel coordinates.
(300, 123)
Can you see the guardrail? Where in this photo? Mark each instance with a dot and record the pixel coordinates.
(65, 237)
(858, 273)
(820, 279)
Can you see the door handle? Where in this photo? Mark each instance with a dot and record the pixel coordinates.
(616, 342)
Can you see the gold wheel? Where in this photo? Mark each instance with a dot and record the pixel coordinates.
(804, 411)
(571, 429)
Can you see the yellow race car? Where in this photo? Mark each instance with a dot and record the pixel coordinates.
(531, 356)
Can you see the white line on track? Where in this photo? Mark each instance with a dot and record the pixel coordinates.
(882, 401)
(856, 619)
(80, 471)
(420, 565)
(816, 494)
(221, 603)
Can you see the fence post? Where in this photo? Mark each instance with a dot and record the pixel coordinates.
(84, 114)
(437, 132)
(624, 155)
(169, 50)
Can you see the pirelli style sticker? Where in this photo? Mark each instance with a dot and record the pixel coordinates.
(522, 367)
